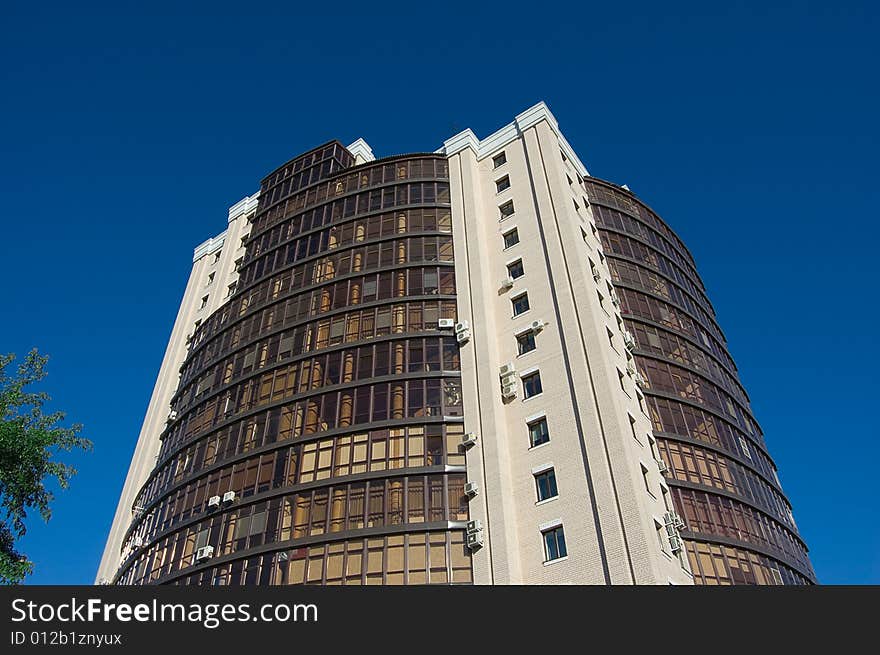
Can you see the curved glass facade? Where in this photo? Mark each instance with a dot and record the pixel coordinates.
(739, 525)
(323, 394)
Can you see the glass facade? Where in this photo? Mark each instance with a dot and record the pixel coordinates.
(323, 395)
(739, 525)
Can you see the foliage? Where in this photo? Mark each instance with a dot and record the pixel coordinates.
(29, 442)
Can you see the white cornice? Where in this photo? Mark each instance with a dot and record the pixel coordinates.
(210, 246)
(361, 150)
(509, 133)
(244, 206)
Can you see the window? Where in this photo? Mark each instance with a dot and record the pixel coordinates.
(515, 269)
(554, 544)
(538, 432)
(238, 263)
(532, 385)
(204, 302)
(502, 184)
(545, 484)
(506, 209)
(520, 304)
(217, 256)
(231, 290)
(645, 478)
(243, 239)
(499, 160)
(511, 238)
(525, 342)
(620, 378)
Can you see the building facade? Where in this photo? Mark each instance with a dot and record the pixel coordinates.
(477, 365)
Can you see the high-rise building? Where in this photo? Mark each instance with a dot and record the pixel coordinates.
(477, 365)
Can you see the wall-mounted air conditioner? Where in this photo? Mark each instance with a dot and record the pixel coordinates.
(445, 323)
(474, 540)
(537, 326)
(506, 283)
(214, 502)
(228, 497)
(205, 552)
(471, 489)
(468, 440)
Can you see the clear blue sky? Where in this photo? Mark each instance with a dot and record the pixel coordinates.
(126, 132)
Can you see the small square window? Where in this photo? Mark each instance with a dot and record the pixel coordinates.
(525, 343)
(499, 160)
(506, 209)
(515, 269)
(554, 544)
(545, 484)
(204, 302)
(538, 432)
(520, 304)
(532, 385)
(502, 184)
(511, 238)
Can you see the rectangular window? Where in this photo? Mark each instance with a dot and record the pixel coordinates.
(506, 209)
(515, 270)
(538, 432)
(526, 342)
(210, 279)
(520, 304)
(532, 385)
(554, 544)
(502, 184)
(545, 484)
(204, 302)
(499, 160)
(511, 238)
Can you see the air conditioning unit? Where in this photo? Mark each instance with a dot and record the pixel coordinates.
(506, 283)
(445, 323)
(628, 340)
(537, 326)
(508, 391)
(228, 497)
(214, 502)
(205, 552)
(615, 300)
(462, 331)
(474, 525)
(474, 540)
(631, 369)
(507, 369)
(596, 274)
(661, 466)
(468, 440)
(679, 523)
(137, 542)
(640, 380)
(172, 415)
(462, 326)
(471, 489)
(675, 543)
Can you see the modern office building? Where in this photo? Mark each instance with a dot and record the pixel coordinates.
(477, 365)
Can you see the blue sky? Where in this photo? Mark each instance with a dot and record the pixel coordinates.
(126, 131)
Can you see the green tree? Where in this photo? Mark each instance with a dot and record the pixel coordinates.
(29, 443)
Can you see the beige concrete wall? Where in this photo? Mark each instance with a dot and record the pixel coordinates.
(606, 509)
(216, 256)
